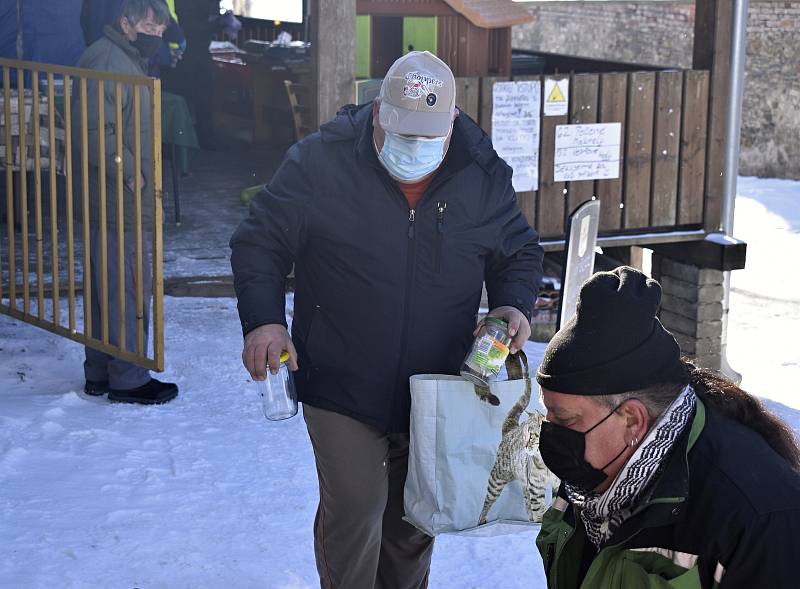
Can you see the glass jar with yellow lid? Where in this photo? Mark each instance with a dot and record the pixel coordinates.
(278, 395)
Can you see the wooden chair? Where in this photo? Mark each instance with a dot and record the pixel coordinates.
(300, 102)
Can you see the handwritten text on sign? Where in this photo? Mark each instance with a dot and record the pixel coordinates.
(515, 130)
(587, 152)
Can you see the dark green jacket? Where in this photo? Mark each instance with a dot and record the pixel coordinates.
(114, 54)
(725, 513)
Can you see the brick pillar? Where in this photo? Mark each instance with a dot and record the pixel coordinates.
(691, 308)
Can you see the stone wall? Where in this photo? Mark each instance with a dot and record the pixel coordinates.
(691, 308)
(662, 33)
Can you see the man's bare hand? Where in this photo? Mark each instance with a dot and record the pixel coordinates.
(263, 347)
(519, 328)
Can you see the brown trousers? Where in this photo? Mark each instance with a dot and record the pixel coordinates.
(360, 540)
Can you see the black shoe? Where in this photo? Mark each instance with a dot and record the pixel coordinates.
(96, 388)
(152, 393)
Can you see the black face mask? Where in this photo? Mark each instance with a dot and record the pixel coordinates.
(147, 45)
(563, 452)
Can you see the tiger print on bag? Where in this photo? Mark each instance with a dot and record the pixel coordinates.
(518, 458)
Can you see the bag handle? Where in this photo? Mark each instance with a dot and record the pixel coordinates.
(517, 369)
(517, 366)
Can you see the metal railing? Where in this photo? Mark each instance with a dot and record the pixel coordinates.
(45, 137)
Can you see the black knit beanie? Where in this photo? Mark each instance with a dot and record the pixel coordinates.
(614, 343)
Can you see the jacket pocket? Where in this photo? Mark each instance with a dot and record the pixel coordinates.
(548, 560)
(327, 346)
(650, 569)
(310, 332)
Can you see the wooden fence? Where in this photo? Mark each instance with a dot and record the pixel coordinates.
(664, 117)
(45, 158)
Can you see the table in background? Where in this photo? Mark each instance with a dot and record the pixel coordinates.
(179, 137)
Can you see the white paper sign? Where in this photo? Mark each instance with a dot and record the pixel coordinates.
(587, 152)
(515, 130)
(556, 97)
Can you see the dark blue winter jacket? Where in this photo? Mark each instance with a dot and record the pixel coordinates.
(381, 291)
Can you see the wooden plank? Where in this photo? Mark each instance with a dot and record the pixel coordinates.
(583, 97)
(613, 102)
(473, 49)
(550, 206)
(694, 133)
(80, 338)
(14, 64)
(103, 218)
(485, 107)
(37, 194)
(70, 206)
(23, 193)
(51, 132)
(666, 144)
(712, 44)
(639, 150)
(158, 239)
(500, 51)
(120, 221)
(88, 328)
(468, 96)
(137, 206)
(10, 212)
(447, 41)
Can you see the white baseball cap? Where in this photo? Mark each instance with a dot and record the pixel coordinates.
(418, 96)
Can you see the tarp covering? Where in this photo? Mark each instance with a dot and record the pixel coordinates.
(51, 30)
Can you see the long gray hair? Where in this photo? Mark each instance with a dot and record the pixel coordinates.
(721, 396)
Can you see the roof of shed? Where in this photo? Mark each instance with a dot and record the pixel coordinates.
(491, 14)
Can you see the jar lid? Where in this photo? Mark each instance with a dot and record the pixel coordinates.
(283, 359)
(497, 321)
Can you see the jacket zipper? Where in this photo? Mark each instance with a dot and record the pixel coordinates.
(410, 264)
(440, 208)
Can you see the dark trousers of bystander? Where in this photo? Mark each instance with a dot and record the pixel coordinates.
(99, 366)
(360, 538)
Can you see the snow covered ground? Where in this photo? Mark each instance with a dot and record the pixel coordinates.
(204, 493)
(764, 320)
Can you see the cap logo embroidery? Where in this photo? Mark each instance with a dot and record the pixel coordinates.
(418, 85)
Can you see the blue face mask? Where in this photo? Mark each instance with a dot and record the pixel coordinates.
(410, 159)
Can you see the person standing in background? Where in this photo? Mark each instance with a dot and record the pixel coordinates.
(123, 49)
(97, 14)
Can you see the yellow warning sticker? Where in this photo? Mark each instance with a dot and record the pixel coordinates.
(556, 92)
(556, 95)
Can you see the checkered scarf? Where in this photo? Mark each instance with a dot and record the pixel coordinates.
(603, 513)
